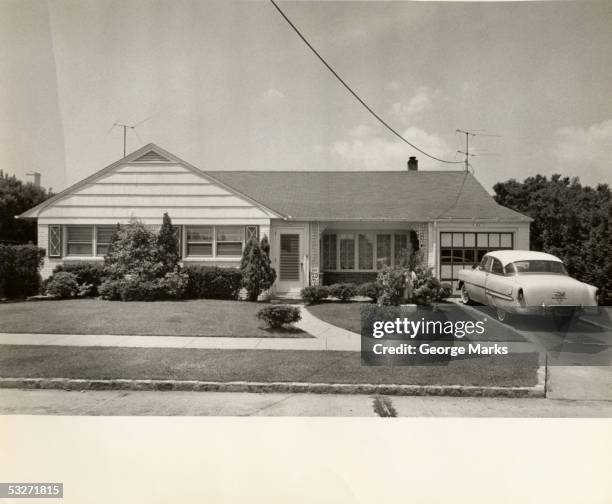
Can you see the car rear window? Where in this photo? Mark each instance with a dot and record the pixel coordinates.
(539, 266)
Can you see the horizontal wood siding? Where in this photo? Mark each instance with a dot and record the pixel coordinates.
(146, 190)
(203, 189)
(153, 200)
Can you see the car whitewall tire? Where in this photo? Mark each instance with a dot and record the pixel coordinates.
(465, 296)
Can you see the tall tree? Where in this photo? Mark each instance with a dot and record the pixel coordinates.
(17, 197)
(571, 221)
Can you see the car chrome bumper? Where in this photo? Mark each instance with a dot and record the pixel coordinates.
(554, 310)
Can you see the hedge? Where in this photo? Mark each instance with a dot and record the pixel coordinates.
(19, 270)
(213, 282)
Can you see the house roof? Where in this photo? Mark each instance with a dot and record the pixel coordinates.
(333, 195)
(389, 195)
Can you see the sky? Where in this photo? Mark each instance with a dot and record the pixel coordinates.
(229, 86)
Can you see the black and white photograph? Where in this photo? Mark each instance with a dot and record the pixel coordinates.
(300, 209)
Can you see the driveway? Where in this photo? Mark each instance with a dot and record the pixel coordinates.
(579, 355)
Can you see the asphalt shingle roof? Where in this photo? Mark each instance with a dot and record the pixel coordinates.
(405, 195)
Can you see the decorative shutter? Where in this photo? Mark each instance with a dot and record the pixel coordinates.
(55, 241)
(178, 230)
(251, 232)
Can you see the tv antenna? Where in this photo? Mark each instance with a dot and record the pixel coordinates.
(466, 152)
(125, 128)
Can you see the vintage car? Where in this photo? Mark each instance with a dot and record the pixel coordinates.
(526, 283)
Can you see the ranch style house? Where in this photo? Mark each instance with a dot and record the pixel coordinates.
(324, 226)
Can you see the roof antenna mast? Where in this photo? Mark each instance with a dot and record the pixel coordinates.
(125, 128)
(466, 152)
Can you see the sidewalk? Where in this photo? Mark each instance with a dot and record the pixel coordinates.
(326, 337)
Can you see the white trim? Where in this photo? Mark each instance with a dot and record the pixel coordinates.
(214, 243)
(373, 233)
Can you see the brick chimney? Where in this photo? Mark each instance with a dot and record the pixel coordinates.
(36, 177)
(413, 164)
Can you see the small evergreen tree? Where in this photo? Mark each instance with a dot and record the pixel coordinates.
(168, 246)
(258, 274)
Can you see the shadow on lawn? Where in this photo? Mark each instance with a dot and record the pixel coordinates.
(284, 332)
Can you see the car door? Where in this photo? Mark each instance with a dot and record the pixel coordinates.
(497, 284)
(478, 280)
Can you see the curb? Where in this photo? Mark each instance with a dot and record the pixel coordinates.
(278, 387)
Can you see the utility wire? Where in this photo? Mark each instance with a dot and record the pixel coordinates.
(342, 81)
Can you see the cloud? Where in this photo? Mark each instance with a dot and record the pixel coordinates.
(586, 151)
(273, 94)
(421, 101)
(380, 153)
(393, 86)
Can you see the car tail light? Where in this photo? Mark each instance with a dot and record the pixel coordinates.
(520, 296)
(596, 297)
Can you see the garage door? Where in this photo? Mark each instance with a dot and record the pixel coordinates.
(459, 250)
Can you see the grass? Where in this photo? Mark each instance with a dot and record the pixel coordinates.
(202, 317)
(348, 316)
(254, 365)
(345, 315)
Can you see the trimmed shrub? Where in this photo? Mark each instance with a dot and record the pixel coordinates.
(135, 288)
(174, 284)
(257, 272)
(133, 252)
(89, 275)
(314, 293)
(205, 282)
(276, 316)
(392, 282)
(427, 289)
(19, 270)
(110, 289)
(62, 284)
(343, 291)
(369, 289)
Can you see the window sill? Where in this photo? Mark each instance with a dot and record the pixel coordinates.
(211, 259)
(80, 258)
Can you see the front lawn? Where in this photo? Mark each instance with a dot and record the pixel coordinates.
(345, 315)
(255, 365)
(201, 317)
(348, 316)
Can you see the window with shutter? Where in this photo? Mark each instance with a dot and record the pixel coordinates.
(179, 238)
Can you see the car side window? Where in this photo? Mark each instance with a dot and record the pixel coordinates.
(497, 267)
(483, 263)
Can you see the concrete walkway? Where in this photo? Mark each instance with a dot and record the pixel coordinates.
(326, 337)
(122, 402)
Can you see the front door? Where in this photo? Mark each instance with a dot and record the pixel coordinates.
(290, 260)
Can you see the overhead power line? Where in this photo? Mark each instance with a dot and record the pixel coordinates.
(357, 97)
